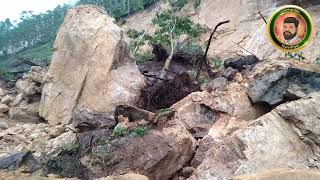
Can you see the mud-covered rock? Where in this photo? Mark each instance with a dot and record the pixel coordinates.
(158, 154)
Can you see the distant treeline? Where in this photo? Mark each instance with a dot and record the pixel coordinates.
(30, 29)
(33, 29)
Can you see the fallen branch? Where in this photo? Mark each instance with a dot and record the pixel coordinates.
(154, 76)
(246, 50)
(204, 58)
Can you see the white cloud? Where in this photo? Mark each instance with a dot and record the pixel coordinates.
(12, 8)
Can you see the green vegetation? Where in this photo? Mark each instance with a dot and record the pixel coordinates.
(139, 131)
(295, 56)
(103, 141)
(66, 163)
(170, 29)
(165, 112)
(177, 4)
(217, 62)
(31, 31)
(119, 131)
(72, 147)
(43, 51)
(6, 74)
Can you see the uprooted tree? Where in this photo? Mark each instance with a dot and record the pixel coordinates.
(175, 37)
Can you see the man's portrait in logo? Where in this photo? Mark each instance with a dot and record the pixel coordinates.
(290, 28)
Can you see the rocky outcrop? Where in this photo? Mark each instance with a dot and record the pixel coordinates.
(90, 68)
(271, 141)
(282, 174)
(211, 116)
(246, 27)
(275, 82)
(158, 154)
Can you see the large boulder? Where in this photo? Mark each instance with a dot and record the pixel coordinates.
(159, 153)
(284, 138)
(90, 68)
(199, 111)
(275, 82)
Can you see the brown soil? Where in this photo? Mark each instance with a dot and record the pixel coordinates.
(164, 94)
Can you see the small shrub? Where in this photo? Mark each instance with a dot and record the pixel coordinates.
(295, 56)
(139, 132)
(164, 112)
(217, 62)
(119, 131)
(73, 147)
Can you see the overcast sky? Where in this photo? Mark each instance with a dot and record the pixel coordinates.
(12, 8)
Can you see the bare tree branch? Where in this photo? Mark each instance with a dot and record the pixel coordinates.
(169, 59)
(204, 59)
(140, 40)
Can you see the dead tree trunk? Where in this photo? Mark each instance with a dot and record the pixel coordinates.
(203, 60)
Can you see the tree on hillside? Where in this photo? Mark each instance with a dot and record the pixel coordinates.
(170, 30)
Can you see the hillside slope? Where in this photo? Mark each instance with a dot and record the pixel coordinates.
(246, 28)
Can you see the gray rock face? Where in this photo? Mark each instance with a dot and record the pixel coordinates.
(90, 68)
(281, 84)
